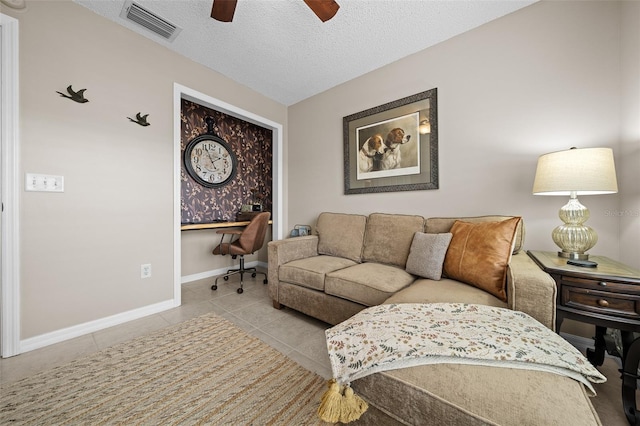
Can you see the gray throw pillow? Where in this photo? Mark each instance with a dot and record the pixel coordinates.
(427, 254)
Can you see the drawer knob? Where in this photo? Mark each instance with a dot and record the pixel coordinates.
(602, 283)
(603, 303)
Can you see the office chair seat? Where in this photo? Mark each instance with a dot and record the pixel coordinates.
(248, 241)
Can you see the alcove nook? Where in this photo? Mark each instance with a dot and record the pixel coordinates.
(253, 148)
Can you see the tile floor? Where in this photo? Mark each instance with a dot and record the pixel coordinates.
(299, 337)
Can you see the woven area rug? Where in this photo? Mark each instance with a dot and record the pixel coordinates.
(202, 371)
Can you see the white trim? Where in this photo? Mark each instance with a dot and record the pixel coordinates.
(181, 92)
(177, 217)
(9, 156)
(584, 343)
(92, 326)
(220, 271)
(579, 342)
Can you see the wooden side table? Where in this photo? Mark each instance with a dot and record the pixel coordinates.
(607, 296)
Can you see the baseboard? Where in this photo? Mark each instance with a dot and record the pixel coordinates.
(581, 343)
(58, 336)
(584, 343)
(214, 273)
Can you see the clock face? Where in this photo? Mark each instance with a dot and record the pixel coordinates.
(210, 161)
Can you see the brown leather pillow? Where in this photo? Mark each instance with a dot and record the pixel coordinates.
(479, 254)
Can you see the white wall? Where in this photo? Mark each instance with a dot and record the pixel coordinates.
(629, 173)
(81, 250)
(544, 78)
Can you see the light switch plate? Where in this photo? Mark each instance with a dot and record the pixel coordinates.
(43, 183)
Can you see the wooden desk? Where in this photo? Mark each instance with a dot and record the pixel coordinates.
(215, 225)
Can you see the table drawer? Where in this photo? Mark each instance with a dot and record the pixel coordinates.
(615, 304)
(609, 286)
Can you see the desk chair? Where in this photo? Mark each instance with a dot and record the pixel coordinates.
(249, 240)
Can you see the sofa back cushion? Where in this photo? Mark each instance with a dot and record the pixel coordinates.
(439, 225)
(341, 235)
(389, 236)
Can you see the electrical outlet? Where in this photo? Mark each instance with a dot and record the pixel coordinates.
(145, 270)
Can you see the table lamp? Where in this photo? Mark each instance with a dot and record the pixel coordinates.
(587, 171)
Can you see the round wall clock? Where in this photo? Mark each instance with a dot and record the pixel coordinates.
(210, 161)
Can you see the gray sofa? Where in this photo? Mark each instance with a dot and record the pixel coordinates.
(356, 261)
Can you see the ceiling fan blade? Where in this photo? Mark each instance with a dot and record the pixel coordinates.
(324, 9)
(223, 10)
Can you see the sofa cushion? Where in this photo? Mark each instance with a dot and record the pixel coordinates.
(438, 225)
(426, 256)
(479, 254)
(367, 283)
(444, 291)
(310, 272)
(389, 236)
(341, 235)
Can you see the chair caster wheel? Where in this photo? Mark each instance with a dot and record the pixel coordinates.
(253, 275)
(225, 278)
(265, 282)
(239, 291)
(214, 287)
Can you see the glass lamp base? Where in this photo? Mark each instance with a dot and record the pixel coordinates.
(574, 238)
(573, 255)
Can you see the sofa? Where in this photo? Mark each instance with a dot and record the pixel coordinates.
(355, 261)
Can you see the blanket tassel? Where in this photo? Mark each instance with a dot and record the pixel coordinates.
(338, 407)
(352, 406)
(330, 407)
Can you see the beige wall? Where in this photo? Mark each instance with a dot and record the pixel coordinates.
(630, 141)
(81, 250)
(538, 80)
(198, 262)
(542, 79)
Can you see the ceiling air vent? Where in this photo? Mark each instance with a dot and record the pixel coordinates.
(141, 16)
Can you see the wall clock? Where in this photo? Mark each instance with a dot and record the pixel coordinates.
(209, 160)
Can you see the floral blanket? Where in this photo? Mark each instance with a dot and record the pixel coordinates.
(389, 337)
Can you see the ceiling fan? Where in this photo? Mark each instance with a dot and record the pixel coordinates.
(223, 10)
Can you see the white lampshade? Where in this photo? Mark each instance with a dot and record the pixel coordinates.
(587, 171)
(575, 172)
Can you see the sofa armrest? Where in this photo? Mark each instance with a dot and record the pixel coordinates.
(531, 290)
(285, 251)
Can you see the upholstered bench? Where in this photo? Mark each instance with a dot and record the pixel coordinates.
(457, 394)
(468, 365)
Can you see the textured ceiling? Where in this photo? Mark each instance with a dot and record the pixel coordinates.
(282, 50)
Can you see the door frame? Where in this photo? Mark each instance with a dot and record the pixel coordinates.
(182, 92)
(9, 163)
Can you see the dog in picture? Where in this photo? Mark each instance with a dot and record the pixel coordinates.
(371, 154)
(391, 157)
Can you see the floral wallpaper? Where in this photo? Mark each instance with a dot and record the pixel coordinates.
(252, 146)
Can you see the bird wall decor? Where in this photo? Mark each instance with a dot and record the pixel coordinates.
(140, 119)
(74, 96)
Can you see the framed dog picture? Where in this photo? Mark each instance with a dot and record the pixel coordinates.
(392, 147)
